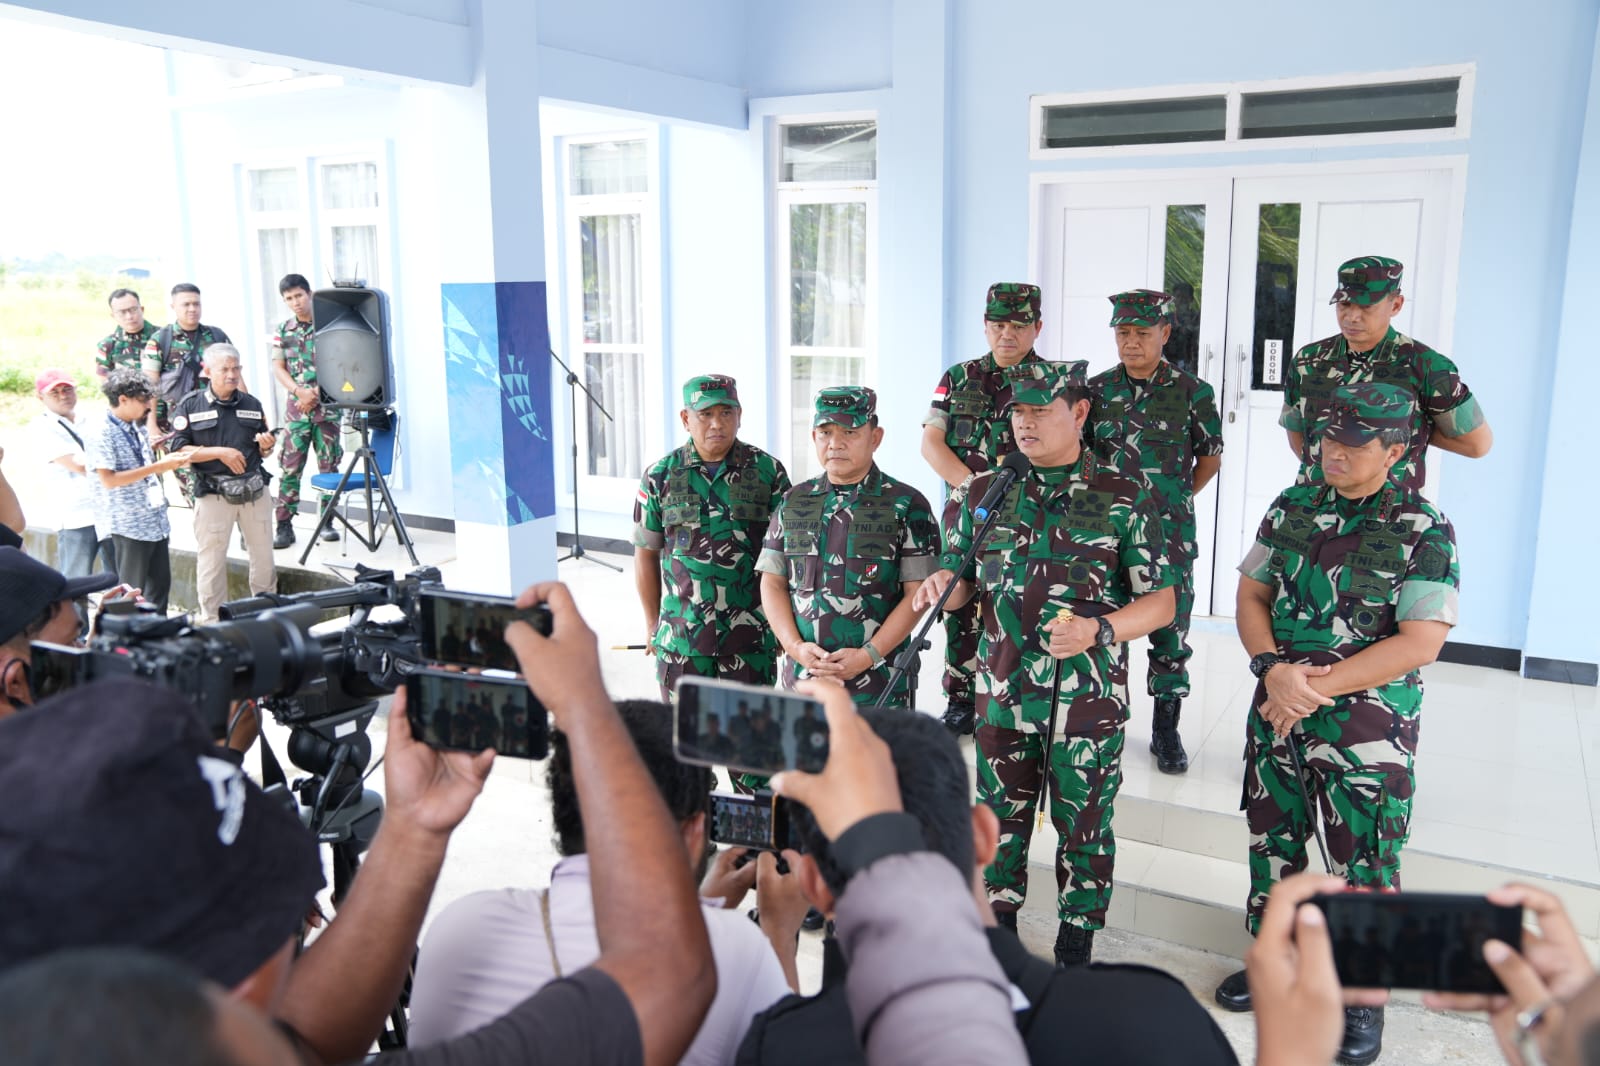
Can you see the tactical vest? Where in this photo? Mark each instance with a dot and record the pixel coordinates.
(871, 531)
(1069, 543)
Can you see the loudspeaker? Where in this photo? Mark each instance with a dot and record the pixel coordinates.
(351, 329)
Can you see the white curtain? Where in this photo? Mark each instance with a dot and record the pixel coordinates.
(828, 275)
(279, 254)
(347, 186)
(613, 314)
(355, 253)
(608, 167)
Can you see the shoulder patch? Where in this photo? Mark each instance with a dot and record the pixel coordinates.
(179, 422)
(1432, 562)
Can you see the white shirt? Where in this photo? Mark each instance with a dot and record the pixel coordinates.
(70, 495)
(485, 953)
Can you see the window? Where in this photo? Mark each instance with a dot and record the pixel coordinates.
(350, 220)
(1427, 104)
(275, 222)
(613, 300)
(827, 268)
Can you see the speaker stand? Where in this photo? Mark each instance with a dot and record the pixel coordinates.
(368, 459)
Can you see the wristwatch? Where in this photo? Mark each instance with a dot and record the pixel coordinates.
(1107, 634)
(1260, 664)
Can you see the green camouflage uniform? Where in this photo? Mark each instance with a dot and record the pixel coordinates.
(316, 428)
(1344, 574)
(1159, 427)
(707, 524)
(969, 404)
(185, 345)
(122, 350)
(846, 549)
(1084, 536)
(1442, 401)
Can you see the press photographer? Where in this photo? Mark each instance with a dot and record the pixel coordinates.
(36, 603)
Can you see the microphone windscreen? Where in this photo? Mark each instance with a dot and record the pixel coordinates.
(1017, 463)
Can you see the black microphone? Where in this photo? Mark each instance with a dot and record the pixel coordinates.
(1014, 466)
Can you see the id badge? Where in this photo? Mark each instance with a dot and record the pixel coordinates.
(154, 494)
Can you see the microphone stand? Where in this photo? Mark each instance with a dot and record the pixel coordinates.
(907, 659)
(573, 385)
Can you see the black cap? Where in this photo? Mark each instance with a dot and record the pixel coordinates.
(27, 587)
(122, 825)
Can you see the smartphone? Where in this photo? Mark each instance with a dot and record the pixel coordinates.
(744, 727)
(467, 629)
(470, 712)
(1425, 940)
(757, 821)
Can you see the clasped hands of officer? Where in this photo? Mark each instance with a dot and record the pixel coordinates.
(1290, 696)
(841, 665)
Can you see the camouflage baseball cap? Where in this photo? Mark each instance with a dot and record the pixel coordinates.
(708, 390)
(1039, 383)
(1141, 307)
(1358, 413)
(1012, 301)
(847, 405)
(1367, 279)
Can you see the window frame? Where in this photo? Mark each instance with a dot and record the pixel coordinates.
(608, 492)
(787, 195)
(256, 222)
(327, 219)
(1234, 93)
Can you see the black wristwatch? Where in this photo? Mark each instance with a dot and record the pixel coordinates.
(1260, 664)
(1107, 635)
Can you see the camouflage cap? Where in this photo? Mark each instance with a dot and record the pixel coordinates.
(1141, 307)
(1358, 413)
(1012, 301)
(849, 406)
(709, 390)
(1367, 279)
(1039, 383)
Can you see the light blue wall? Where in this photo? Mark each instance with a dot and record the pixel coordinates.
(1566, 584)
(820, 46)
(1532, 78)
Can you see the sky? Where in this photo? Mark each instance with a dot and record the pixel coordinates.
(88, 145)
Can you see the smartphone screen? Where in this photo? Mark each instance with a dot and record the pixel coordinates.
(1425, 940)
(470, 712)
(470, 630)
(760, 730)
(745, 821)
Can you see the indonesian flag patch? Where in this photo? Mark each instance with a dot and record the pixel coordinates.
(940, 393)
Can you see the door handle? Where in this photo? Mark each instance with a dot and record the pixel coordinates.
(1244, 373)
(1205, 368)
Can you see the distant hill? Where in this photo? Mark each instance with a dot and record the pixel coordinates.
(56, 263)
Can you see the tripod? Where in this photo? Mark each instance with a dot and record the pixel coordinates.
(370, 475)
(573, 385)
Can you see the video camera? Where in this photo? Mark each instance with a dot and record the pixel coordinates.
(323, 688)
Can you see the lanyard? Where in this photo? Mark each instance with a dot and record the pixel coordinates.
(141, 448)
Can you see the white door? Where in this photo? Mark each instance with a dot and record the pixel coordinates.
(1104, 238)
(1262, 254)
(1289, 236)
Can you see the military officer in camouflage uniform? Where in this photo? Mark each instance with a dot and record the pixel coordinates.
(1073, 534)
(124, 348)
(843, 556)
(1369, 348)
(966, 433)
(308, 425)
(698, 524)
(1349, 589)
(175, 348)
(1150, 416)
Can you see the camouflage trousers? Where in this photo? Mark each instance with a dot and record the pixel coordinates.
(1169, 645)
(745, 669)
(1362, 794)
(961, 630)
(300, 436)
(1085, 773)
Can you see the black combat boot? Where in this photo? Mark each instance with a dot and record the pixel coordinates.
(1363, 1036)
(960, 719)
(1074, 945)
(1165, 743)
(1007, 919)
(1234, 992)
(328, 532)
(284, 536)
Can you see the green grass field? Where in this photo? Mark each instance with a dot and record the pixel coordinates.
(55, 321)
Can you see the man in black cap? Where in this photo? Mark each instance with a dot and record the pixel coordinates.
(36, 603)
(139, 836)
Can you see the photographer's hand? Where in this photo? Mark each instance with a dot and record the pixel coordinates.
(1298, 1007)
(858, 780)
(563, 669)
(725, 882)
(782, 907)
(1553, 966)
(424, 788)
